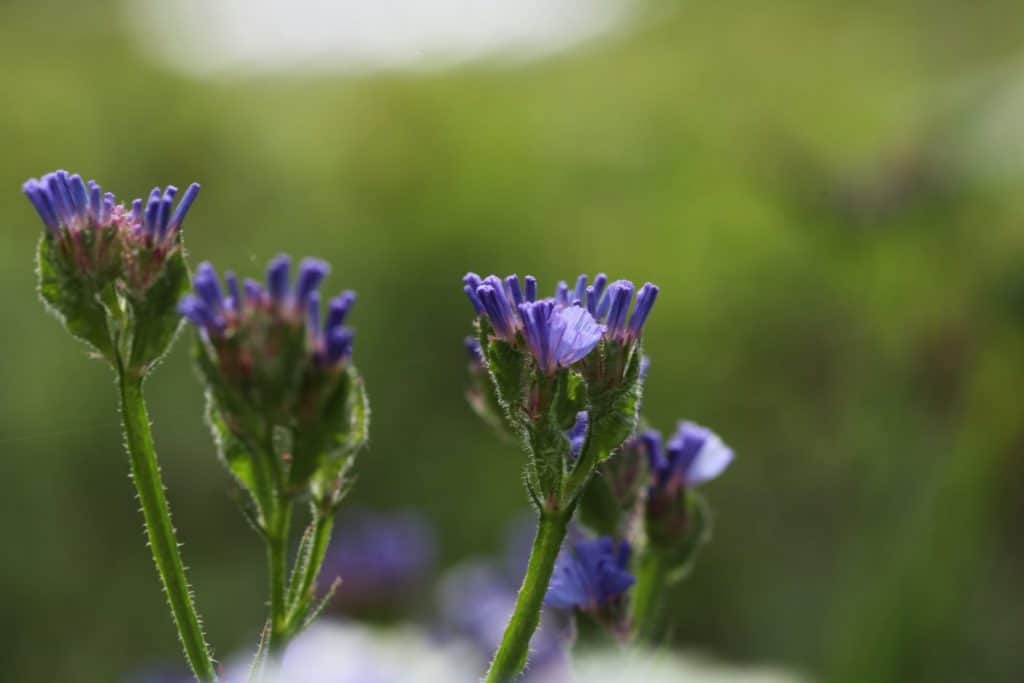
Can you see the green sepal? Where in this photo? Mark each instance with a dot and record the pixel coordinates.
(684, 555)
(327, 441)
(73, 300)
(154, 313)
(549, 450)
(615, 411)
(507, 366)
(677, 533)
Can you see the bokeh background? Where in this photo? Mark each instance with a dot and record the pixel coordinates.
(828, 194)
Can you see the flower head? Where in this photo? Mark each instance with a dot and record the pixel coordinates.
(590, 575)
(693, 455)
(556, 333)
(103, 240)
(251, 324)
(269, 359)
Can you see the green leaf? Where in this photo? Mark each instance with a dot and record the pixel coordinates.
(328, 439)
(154, 314)
(73, 300)
(238, 460)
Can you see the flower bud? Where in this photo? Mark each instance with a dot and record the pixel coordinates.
(673, 513)
(280, 381)
(112, 274)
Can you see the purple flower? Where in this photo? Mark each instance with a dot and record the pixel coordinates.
(381, 560)
(609, 304)
(103, 239)
(498, 301)
(558, 336)
(220, 317)
(474, 352)
(67, 203)
(590, 575)
(578, 434)
(693, 455)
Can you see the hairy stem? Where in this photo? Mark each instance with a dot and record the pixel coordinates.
(299, 593)
(277, 563)
(515, 644)
(162, 538)
(652, 576)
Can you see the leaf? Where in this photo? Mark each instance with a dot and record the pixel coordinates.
(238, 460)
(154, 313)
(73, 300)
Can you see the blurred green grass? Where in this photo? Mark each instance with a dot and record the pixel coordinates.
(842, 299)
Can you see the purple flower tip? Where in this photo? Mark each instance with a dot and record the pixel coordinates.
(590, 574)
(311, 273)
(277, 277)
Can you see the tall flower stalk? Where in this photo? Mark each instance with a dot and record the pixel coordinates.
(288, 412)
(565, 374)
(112, 275)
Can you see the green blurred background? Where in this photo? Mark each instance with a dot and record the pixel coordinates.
(828, 195)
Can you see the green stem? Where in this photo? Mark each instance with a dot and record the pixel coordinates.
(162, 539)
(515, 644)
(652, 576)
(277, 562)
(299, 593)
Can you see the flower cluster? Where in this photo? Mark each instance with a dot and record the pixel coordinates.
(105, 267)
(591, 576)
(272, 363)
(561, 330)
(101, 240)
(246, 325)
(561, 373)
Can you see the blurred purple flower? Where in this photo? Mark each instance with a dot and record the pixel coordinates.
(381, 559)
(590, 575)
(578, 434)
(693, 455)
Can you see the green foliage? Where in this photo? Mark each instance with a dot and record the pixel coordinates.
(74, 301)
(153, 315)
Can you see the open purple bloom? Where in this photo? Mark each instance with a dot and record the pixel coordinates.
(692, 456)
(590, 575)
(558, 336)
(219, 316)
